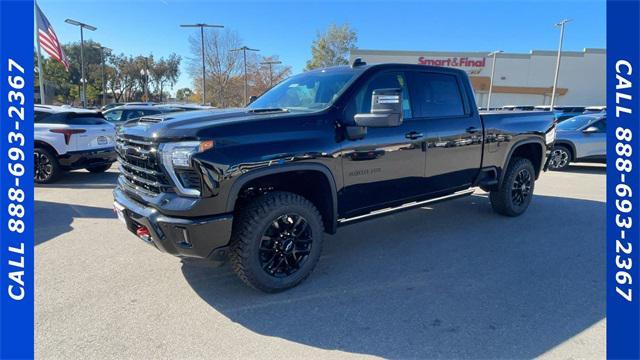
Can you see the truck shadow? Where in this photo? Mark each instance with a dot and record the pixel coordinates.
(53, 219)
(452, 281)
(597, 169)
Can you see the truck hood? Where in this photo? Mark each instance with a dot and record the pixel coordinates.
(194, 124)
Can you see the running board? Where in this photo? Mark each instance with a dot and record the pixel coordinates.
(406, 206)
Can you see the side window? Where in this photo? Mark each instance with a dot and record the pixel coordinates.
(40, 116)
(361, 102)
(436, 95)
(133, 114)
(150, 112)
(601, 125)
(115, 115)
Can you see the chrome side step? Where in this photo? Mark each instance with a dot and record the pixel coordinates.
(406, 206)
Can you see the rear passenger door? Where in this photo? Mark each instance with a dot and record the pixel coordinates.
(453, 129)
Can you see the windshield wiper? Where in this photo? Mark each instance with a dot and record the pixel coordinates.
(267, 110)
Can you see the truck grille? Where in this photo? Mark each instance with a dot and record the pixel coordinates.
(140, 165)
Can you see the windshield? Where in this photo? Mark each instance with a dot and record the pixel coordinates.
(310, 91)
(575, 122)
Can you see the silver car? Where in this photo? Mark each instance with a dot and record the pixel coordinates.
(581, 138)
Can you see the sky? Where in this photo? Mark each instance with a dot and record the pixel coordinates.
(287, 29)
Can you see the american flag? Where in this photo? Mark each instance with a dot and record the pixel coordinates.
(48, 39)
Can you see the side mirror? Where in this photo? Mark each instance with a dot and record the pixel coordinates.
(386, 109)
(591, 130)
(252, 98)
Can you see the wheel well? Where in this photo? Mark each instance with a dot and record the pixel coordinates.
(531, 151)
(569, 147)
(311, 184)
(42, 144)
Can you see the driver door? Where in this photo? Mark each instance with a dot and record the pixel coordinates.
(387, 166)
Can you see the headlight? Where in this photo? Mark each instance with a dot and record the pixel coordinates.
(550, 136)
(178, 155)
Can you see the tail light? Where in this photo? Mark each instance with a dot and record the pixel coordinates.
(67, 133)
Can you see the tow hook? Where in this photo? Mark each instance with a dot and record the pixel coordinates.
(143, 233)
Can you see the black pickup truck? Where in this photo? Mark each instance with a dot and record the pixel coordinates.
(261, 185)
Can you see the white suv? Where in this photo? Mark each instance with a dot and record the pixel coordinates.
(67, 138)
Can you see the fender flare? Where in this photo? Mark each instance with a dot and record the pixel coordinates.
(513, 149)
(285, 168)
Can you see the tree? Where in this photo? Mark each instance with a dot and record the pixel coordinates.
(222, 64)
(259, 76)
(183, 94)
(165, 72)
(332, 47)
(225, 69)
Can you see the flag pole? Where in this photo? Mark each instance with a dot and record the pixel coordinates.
(35, 21)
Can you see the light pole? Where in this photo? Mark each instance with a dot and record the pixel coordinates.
(493, 72)
(271, 63)
(555, 78)
(202, 26)
(82, 27)
(104, 85)
(244, 50)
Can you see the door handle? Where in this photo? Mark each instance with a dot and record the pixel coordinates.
(472, 130)
(413, 135)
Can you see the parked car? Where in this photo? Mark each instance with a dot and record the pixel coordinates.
(67, 138)
(110, 106)
(322, 149)
(188, 107)
(582, 138)
(143, 103)
(594, 109)
(562, 113)
(121, 114)
(517, 108)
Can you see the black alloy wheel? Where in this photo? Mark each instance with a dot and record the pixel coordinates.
(285, 245)
(521, 188)
(46, 168)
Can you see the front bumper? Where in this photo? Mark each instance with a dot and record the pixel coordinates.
(204, 238)
(82, 159)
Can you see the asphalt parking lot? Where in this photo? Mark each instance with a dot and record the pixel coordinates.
(453, 280)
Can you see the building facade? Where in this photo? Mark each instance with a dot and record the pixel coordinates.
(520, 79)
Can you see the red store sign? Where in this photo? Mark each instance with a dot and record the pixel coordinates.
(459, 62)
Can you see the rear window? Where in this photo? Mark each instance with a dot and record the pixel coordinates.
(71, 118)
(436, 95)
(85, 119)
(39, 116)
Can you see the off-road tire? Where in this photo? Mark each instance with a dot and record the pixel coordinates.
(99, 168)
(53, 171)
(502, 199)
(251, 224)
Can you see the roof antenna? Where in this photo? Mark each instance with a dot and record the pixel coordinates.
(358, 62)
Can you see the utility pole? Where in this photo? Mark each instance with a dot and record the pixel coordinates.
(271, 63)
(104, 85)
(493, 72)
(244, 50)
(202, 26)
(83, 80)
(555, 78)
